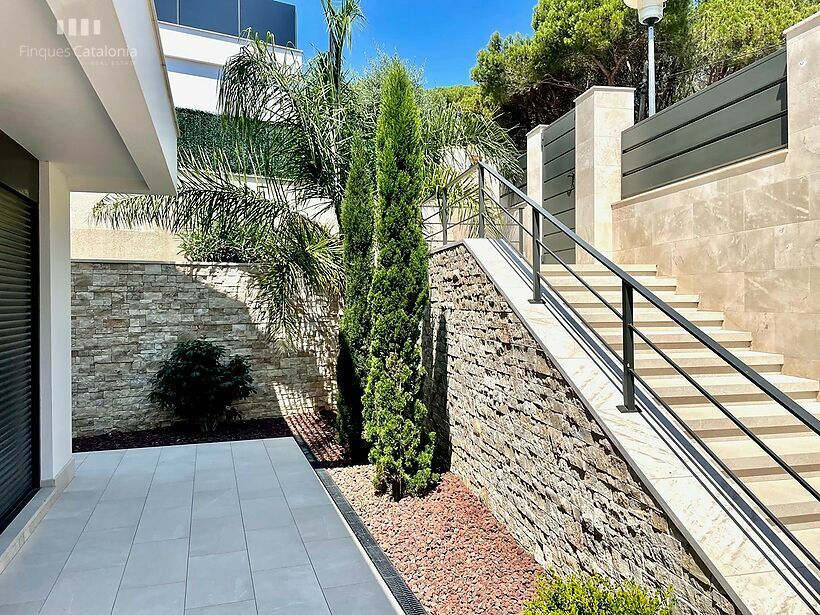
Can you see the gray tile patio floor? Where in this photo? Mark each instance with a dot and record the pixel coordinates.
(218, 529)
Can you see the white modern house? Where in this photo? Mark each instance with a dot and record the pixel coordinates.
(86, 106)
(197, 39)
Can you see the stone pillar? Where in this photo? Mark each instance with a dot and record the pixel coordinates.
(601, 114)
(535, 179)
(803, 83)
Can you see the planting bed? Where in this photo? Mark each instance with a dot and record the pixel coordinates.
(455, 556)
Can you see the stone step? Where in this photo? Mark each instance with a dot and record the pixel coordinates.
(668, 338)
(761, 418)
(610, 283)
(676, 391)
(789, 500)
(584, 298)
(703, 361)
(746, 459)
(603, 318)
(596, 269)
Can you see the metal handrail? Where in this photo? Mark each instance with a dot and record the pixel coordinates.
(628, 285)
(766, 387)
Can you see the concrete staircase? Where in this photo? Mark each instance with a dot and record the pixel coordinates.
(782, 432)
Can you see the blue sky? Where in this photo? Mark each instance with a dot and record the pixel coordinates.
(441, 36)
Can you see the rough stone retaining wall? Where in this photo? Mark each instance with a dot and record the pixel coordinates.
(127, 317)
(515, 432)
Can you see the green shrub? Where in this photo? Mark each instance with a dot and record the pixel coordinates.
(197, 385)
(354, 331)
(395, 415)
(595, 595)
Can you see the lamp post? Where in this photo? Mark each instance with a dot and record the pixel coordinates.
(650, 12)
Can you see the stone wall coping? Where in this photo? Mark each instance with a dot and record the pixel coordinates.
(687, 486)
(739, 168)
(595, 89)
(114, 261)
(537, 129)
(801, 27)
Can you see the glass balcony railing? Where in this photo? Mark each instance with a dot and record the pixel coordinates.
(233, 17)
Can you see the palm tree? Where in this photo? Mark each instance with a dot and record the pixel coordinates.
(293, 125)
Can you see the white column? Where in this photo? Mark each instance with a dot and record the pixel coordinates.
(803, 83)
(56, 462)
(601, 115)
(535, 179)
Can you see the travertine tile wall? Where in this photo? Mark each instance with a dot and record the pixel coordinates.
(515, 432)
(747, 238)
(128, 316)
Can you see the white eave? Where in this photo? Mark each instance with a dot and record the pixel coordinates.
(91, 97)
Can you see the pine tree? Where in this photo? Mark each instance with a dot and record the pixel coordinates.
(395, 415)
(354, 332)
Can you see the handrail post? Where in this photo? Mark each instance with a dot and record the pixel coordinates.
(521, 230)
(445, 216)
(536, 257)
(481, 204)
(628, 315)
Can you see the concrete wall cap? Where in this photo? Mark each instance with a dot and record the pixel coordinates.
(538, 129)
(801, 27)
(603, 88)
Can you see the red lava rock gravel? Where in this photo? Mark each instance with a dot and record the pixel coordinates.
(455, 556)
(319, 433)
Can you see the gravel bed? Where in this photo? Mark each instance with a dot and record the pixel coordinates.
(255, 429)
(455, 556)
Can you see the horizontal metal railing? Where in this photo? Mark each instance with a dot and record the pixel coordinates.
(629, 286)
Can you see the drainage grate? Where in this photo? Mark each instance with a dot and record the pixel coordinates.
(401, 592)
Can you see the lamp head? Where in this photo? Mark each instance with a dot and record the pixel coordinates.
(650, 12)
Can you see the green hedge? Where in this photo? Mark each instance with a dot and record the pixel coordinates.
(206, 131)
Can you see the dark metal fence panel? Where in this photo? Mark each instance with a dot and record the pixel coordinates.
(737, 118)
(508, 198)
(558, 146)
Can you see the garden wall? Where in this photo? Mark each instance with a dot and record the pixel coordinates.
(514, 431)
(127, 317)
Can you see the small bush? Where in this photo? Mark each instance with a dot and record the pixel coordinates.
(596, 595)
(197, 385)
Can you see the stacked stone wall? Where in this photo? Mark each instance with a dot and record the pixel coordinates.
(127, 317)
(512, 428)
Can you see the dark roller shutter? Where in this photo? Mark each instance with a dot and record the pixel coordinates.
(17, 353)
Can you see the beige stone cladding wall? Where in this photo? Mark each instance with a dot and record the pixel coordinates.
(127, 317)
(747, 238)
(90, 240)
(515, 432)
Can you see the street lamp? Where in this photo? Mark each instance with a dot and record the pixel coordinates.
(650, 12)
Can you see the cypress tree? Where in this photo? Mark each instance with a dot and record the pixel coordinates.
(396, 417)
(354, 331)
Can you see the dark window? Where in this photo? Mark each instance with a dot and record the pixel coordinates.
(214, 15)
(223, 16)
(167, 10)
(263, 16)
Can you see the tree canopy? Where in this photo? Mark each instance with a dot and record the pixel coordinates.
(534, 78)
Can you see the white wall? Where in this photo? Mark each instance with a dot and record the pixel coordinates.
(55, 326)
(194, 59)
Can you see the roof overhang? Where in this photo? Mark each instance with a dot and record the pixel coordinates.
(83, 85)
